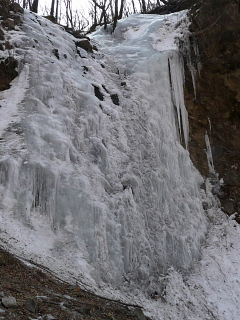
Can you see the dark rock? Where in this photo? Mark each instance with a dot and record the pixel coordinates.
(115, 99)
(154, 295)
(227, 36)
(235, 61)
(232, 178)
(137, 312)
(205, 205)
(9, 302)
(15, 7)
(8, 23)
(229, 207)
(203, 186)
(217, 151)
(237, 218)
(84, 44)
(98, 93)
(1, 35)
(8, 72)
(84, 311)
(2, 263)
(56, 53)
(31, 306)
(17, 19)
(51, 18)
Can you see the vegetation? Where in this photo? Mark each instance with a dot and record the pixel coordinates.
(100, 12)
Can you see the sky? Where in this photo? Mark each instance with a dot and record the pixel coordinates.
(81, 5)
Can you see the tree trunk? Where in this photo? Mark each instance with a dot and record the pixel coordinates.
(52, 8)
(104, 17)
(56, 14)
(133, 5)
(34, 7)
(24, 4)
(120, 15)
(115, 15)
(144, 9)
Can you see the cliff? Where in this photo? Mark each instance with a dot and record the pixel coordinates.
(215, 108)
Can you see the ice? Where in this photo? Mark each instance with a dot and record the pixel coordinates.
(209, 156)
(101, 189)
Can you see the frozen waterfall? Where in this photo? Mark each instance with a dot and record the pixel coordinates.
(96, 180)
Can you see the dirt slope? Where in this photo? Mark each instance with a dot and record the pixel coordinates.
(40, 295)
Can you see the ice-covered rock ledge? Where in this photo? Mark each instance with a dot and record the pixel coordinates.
(96, 180)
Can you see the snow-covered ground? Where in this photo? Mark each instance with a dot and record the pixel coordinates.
(95, 182)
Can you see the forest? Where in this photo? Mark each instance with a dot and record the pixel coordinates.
(98, 12)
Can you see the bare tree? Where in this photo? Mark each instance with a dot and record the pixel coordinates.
(143, 6)
(34, 6)
(120, 15)
(115, 18)
(56, 12)
(103, 12)
(52, 8)
(69, 13)
(80, 23)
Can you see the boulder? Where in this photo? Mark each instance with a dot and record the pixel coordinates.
(84, 44)
(8, 23)
(84, 311)
(9, 302)
(51, 18)
(31, 306)
(115, 99)
(229, 207)
(15, 7)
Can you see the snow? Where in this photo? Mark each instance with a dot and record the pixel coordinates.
(104, 192)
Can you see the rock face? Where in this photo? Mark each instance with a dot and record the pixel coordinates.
(215, 109)
(12, 16)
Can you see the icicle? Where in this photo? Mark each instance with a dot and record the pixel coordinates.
(176, 74)
(197, 54)
(210, 125)
(214, 180)
(209, 156)
(194, 67)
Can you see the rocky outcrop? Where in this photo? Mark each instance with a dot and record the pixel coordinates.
(215, 109)
(11, 17)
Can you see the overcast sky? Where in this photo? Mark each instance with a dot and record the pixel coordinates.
(77, 4)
